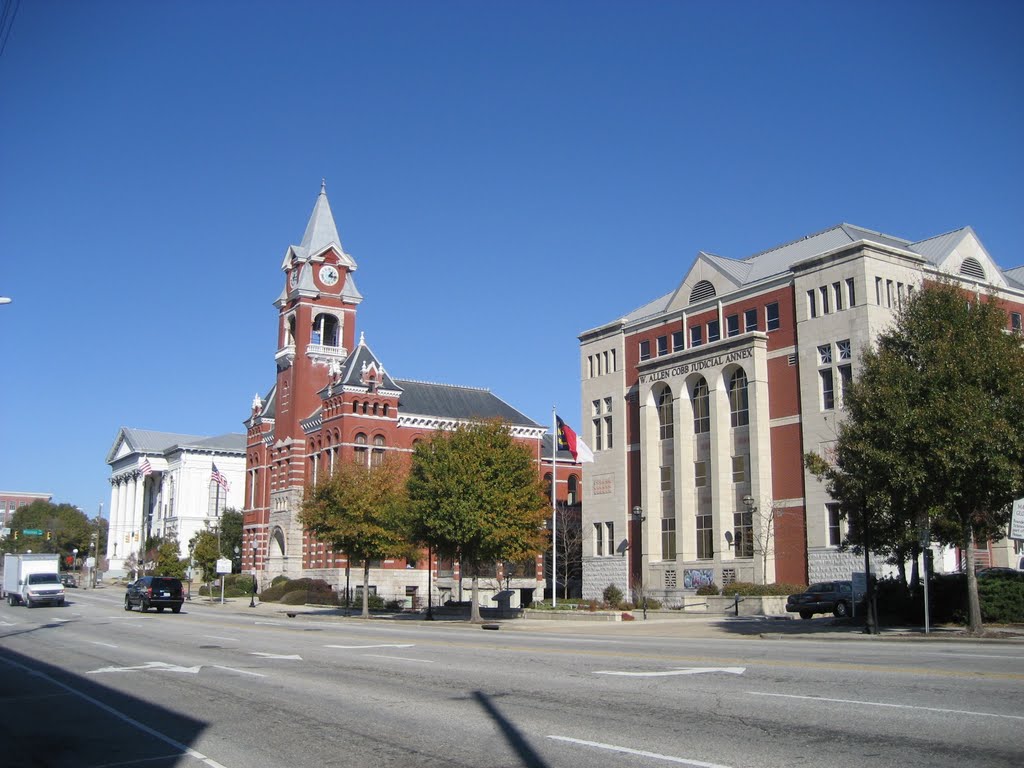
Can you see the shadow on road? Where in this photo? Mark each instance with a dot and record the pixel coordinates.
(53, 718)
(530, 759)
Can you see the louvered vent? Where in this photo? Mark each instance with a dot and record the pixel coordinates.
(792, 360)
(971, 267)
(702, 290)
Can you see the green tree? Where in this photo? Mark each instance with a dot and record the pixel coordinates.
(230, 534)
(162, 557)
(65, 528)
(360, 511)
(476, 497)
(934, 430)
(203, 549)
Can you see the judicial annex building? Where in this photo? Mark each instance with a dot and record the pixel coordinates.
(700, 405)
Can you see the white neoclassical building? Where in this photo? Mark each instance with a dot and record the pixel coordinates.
(162, 484)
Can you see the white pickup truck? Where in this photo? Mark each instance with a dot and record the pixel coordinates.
(32, 579)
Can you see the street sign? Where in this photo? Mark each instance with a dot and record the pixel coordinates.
(1017, 521)
(224, 565)
(31, 532)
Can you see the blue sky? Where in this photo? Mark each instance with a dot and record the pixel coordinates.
(507, 175)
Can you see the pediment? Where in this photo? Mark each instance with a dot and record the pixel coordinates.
(967, 258)
(709, 276)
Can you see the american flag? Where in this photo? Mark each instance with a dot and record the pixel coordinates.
(219, 478)
(146, 468)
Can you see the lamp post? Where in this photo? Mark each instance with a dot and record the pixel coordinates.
(74, 563)
(637, 514)
(430, 584)
(252, 600)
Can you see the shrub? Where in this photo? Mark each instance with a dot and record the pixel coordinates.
(1002, 598)
(612, 595)
(314, 587)
(297, 597)
(748, 589)
(708, 589)
(653, 604)
(394, 605)
(279, 580)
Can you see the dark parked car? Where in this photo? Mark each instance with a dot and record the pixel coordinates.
(155, 592)
(835, 597)
(68, 580)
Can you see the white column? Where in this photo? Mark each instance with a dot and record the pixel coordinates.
(123, 547)
(682, 480)
(761, 457)
(720, 469)
(114, 519)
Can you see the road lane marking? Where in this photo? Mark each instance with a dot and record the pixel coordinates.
(639, 752)
(671, 672)
(270, 623)
(156, 666)
(398, 658)
(108, 645)
(884, 704)
(380, 645)
(239, 671)
(292, 656)
(219, 637)
(182, 748)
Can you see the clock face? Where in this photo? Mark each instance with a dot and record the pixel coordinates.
(328, 275)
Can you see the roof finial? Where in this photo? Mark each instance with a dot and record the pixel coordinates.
(362, 338)
(323, 186)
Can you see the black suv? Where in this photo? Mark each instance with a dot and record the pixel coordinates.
(155, 592)
(835, 597)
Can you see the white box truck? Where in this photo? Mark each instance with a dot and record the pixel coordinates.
(32, 579)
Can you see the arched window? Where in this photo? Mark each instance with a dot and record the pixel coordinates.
(360, 449)
(739, 412)
(665, 428)
(701, 407)
(377, 456)
(325, 330)
(702, 290)
(573, 492)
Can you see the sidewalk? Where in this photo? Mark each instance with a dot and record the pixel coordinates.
(660, 624)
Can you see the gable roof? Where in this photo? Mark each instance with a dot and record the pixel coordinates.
(447, 401)
(152, 443)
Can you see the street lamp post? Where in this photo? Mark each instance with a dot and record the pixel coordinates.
(252, 600)
(637, 514)
(74, 564)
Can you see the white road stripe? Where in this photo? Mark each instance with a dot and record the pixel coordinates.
(120, 715)
(108, 645)
(398, 658)
(380, 645)
(640, 752)
(239, 671)
(680, 671)
(884, 704)
(218, 637)
(291, 656)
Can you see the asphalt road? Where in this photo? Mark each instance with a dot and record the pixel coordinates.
(91, 685)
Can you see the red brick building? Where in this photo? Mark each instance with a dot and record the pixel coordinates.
(333, 400)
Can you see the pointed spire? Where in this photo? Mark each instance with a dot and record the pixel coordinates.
(321, 231)
(362, 338)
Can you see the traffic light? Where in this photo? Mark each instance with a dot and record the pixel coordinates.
(16, 535)
(49, 535)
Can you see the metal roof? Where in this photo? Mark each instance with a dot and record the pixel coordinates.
(936, 249)
(447, 401)
(150, 442)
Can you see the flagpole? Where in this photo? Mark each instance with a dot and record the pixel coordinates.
(554, 508)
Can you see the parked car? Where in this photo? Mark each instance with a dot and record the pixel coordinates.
(989, 573)
(68, 579)
(835, 597)
(155, 592)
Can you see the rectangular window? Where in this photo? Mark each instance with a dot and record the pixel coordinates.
(662, 345)
(888, 293)
(598, 444)
(825, 354)
(677, 340)
(645, 350)
(696, 336)
(901, 295)
(1015, 321)
(837, 296)
(851, 293)
(666, 478)
(668, 538)
(845, 350)
(713, 332)
(771, 316)
(590, 367)
(750, 320)
(739, 469)
(608, 432)
(614, 365)
(700, 473)
(824, 300)
(610, 527)
(705, 538)
(606, 368)
(812, 303)
(595, 406)
(732, 325)
(599, 539)
(743, 533)
(845, 380)
(828, 395)
(878, 291)
(834, 530)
